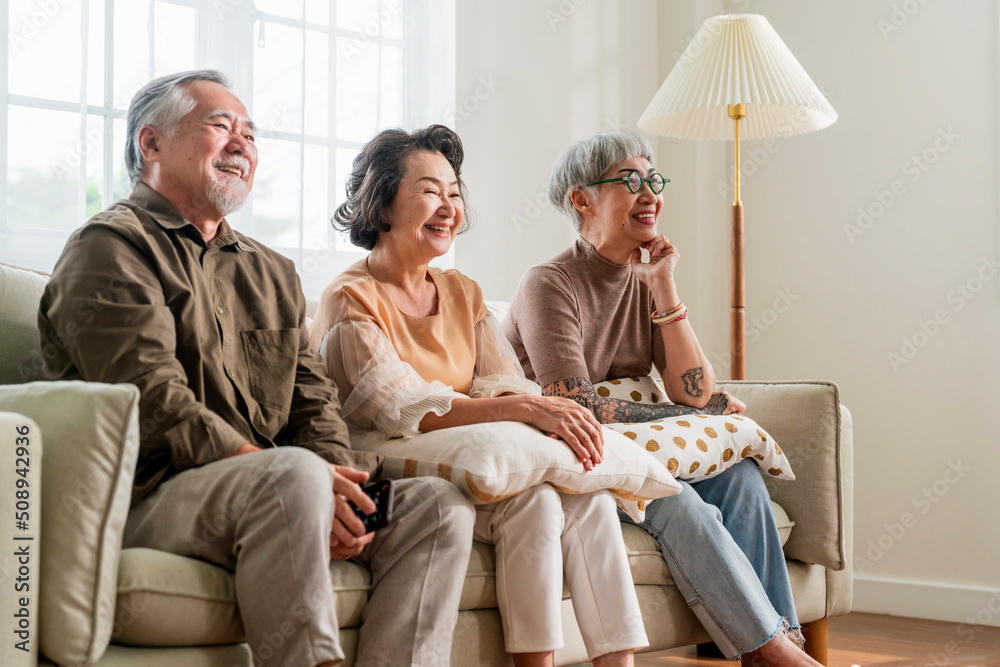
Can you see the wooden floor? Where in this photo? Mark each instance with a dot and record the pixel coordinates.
(870, 640)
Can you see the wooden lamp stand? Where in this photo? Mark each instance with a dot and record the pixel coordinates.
(737, 316)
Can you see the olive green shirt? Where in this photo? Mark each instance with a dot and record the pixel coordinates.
(213, 335)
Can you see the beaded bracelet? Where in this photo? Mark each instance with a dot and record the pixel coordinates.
(676, 316)
(667, 313)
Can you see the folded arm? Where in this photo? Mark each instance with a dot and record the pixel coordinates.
(612, 410)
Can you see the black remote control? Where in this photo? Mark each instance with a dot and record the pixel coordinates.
(383, 494)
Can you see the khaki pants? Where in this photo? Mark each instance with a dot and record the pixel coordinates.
(537, 534)
(266, 516)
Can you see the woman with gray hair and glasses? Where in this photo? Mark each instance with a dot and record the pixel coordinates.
(597, 312)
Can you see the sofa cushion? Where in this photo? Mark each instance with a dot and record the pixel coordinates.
(646, 561)
(170, 600)
(480, 589)
(20, 355)
(90, 436)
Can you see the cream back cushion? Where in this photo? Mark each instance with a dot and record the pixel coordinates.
(20, 348)
(91, 439)
(490, 462)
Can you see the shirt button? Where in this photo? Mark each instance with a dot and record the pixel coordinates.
(219, 310)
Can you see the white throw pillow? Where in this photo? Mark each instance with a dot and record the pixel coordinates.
(493, 461)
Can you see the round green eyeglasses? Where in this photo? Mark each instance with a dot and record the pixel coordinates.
(634, 182)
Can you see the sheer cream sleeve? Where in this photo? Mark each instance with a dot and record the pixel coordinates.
(379, 391)
(497, 369)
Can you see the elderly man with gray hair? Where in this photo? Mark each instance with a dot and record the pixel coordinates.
(244, 460)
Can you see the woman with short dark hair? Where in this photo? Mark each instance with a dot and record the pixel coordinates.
(415, 351)
(377, 172)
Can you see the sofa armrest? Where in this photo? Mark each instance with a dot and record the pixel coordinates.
(91, 435)
(20, 496)
(815, 432)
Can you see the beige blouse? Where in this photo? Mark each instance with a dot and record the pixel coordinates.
(392, 368)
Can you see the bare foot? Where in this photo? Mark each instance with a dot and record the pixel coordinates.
(779, 652)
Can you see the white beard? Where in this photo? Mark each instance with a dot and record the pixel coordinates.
(226, 197)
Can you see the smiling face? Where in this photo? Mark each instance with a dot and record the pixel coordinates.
(427, 211)
(206, 166)
(618, 217)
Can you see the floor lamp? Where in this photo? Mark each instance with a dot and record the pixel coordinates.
(737, 69)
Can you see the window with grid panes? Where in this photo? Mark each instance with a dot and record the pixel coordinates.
(319, 77)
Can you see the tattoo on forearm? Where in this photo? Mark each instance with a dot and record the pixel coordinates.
(717, 404)
(612, 410)
(692, 379)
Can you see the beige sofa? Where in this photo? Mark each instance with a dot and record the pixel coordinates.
(156, 608)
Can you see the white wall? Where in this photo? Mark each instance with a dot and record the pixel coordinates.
(552, 76)
(854, 297)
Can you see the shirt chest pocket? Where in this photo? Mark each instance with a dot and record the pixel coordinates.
(272, 357)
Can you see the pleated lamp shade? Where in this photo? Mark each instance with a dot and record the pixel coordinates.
(737, 59)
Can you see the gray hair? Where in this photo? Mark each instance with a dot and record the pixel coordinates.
(586, 160)
(161, 103)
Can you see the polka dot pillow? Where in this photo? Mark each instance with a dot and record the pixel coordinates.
(638, 390)
(696, 447)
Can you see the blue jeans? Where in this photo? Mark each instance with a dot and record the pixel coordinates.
(720, 541)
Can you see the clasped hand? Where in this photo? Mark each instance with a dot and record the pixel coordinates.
(347, 534)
